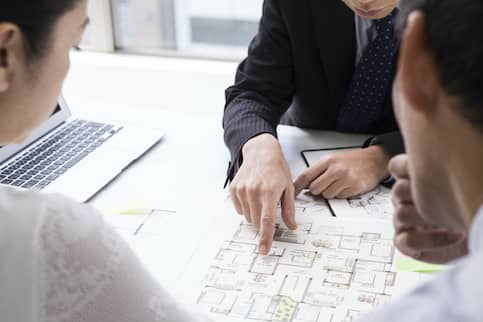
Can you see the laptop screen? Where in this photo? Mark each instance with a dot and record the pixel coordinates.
(59, 116)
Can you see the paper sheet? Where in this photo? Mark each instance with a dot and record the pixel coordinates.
(330, 269)
(314, 156)
(375, 204)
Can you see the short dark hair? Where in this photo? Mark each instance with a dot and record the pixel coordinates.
(455, 35)
(36, 19)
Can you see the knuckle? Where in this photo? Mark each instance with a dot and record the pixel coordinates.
(400, 189)
(399, 227)
(240, 188)
(314, 189)
(303, 178)
(253, 188)
(341, 171)
(410, 242)
(328, 195)
(233, 190)
(330, 159)
(401, 244)
(267, 192)
(312, 185)
(404, 214)
(399, 219)
(399, 213)
(268, 221)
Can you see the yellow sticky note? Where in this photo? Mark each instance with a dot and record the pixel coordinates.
(131, 208)
(135, 212)
(128, 211)
(412, 265)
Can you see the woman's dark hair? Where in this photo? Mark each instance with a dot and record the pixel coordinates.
(455, 35)
(36, 19)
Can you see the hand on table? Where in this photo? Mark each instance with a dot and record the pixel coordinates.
(262, 181)
(346, 174)
(414, 236)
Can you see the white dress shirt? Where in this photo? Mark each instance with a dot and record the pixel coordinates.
(365, 34)
(455, 295)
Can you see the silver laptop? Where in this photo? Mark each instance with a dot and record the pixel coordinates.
(74, 157)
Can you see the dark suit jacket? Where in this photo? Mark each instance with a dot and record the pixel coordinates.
(298, 71)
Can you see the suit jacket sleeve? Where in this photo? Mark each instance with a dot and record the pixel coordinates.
(392, 142)
(263, 88)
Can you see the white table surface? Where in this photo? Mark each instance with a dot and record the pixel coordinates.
(185, 172)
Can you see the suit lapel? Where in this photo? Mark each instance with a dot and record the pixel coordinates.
(335, 31)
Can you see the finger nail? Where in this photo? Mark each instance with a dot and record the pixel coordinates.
(263, 249)
(454, 237)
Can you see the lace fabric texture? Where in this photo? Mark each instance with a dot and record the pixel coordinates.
(85, 272)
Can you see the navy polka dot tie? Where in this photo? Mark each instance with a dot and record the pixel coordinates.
(371, 82)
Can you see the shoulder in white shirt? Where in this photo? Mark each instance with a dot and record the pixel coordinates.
(61, 262)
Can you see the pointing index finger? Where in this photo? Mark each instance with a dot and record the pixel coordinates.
(267, 228)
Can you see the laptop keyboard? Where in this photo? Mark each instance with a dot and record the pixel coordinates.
(50, 159)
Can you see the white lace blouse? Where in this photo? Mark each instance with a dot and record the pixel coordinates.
(60, 262)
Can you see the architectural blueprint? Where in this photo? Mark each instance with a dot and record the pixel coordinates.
(375, 204)
(329, 269)
(307, 204)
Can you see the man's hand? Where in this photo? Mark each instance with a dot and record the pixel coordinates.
(414, 236)
(262, 181)
(346, 174)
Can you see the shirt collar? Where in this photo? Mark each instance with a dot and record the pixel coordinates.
(476, 232)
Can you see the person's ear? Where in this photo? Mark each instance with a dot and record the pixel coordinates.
(418, 76)
(7, 48)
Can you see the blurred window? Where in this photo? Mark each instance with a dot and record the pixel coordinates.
(215, 29)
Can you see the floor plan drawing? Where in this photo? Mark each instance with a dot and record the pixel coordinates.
(307, 204)
(375, 204)
(329, 269)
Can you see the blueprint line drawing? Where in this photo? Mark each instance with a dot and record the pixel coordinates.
(329, 269)
(306, 204)
(375, 204)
